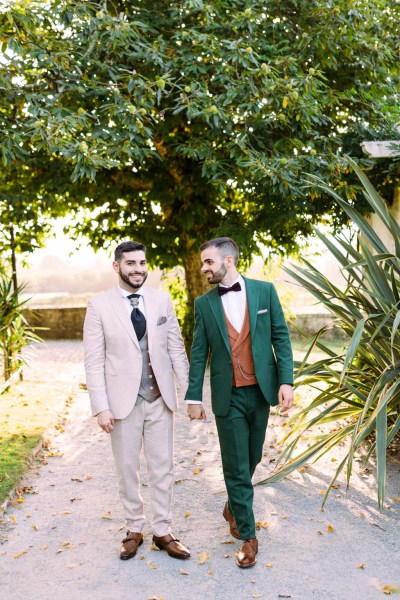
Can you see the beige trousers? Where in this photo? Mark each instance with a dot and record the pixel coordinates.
(150, 425)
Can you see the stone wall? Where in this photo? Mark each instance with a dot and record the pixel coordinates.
(67, 323)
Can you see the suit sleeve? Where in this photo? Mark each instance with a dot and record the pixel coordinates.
(176, 348)
(281, 340)
(198, 357)
(94, 349)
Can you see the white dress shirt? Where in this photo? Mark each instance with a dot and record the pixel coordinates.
(127, 302)
(234, 305)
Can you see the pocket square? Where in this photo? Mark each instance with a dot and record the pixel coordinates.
(161, 320)
(263, 310)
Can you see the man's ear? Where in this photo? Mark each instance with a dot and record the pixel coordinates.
(229, 261)
(115, 266)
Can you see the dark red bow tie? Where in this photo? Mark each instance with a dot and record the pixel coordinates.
(224, 290)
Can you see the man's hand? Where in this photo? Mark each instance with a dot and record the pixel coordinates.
(196, 411)
(285, 397)
(106, 420)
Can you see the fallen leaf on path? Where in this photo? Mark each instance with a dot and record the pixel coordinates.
(319, 533)
(203, 557)
(262, 524)
(396, 499)
(269, 565)
(74, 499)
(182, 572)
(20, 553)
(20, 499)
(228, 542)
(197, 471)
(210, 572)
(227, 555)
(43, 547)
(375, 524)
(66, 512)
(256, 595)
(361, 566)
(153, 566)
(154, 547)
(13, 519)
(107, 517)
(284, 516)
(322, 492)
(76, 479)
(187, 514)
(35, 527)
(333, 459)
(330, 528)
(390, 589)
(89, 477)
(28, 490)
(284, 596)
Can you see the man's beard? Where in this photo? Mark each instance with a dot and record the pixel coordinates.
(135, 285)
(218, 276)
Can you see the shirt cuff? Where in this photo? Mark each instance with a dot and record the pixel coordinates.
(193, 402)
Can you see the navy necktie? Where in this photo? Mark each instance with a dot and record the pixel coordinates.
(224, 290)
(137, 317)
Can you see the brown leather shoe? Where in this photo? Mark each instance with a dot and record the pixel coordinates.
(130, 545)
(172, 546)
(246, 557)
(228, 516)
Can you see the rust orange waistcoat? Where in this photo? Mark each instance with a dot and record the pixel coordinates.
(242, 356)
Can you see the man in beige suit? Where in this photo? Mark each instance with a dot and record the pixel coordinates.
(133, 349)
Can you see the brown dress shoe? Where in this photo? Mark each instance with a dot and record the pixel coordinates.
(246, 557)
(130, 545)
(172, 546)
(228, 516)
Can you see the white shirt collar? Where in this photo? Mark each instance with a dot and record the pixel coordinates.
(239, 279)
(125, 293)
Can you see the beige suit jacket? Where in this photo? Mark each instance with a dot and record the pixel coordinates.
(113, 360)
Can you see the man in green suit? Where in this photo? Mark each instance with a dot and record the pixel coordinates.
(241, 326)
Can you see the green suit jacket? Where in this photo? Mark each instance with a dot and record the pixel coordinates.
(270, 341)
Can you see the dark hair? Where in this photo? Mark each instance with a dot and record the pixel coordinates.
(127, 247)
(226, 247)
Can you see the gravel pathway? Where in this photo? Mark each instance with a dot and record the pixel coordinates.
(62, 541)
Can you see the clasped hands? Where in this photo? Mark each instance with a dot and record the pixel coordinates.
(285, 398)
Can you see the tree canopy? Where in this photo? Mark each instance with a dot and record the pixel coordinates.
(183, 121)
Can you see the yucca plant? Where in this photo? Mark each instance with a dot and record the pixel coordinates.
(15, 331)
(358, 391)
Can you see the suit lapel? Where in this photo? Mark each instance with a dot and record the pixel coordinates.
(151, 306)
(218, 312)
(252, 293)
(118, 306)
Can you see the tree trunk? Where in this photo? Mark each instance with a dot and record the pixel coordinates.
(13, 260)
(196, 282)
(196, 285)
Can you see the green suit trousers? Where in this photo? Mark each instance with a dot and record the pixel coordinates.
(241, 436)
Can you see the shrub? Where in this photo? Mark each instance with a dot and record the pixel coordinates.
(358, 390)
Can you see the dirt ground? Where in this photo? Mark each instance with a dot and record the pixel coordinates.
(62, 541)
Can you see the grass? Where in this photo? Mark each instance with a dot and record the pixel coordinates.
(28, 409)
